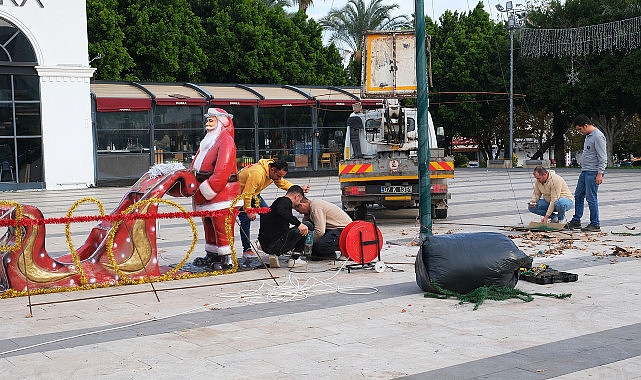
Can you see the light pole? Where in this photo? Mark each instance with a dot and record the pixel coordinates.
(512, 15)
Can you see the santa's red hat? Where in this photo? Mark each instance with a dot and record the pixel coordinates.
(224, 117)
(218, 112)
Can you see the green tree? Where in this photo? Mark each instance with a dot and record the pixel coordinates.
(165, 39)
(249, 43)
(468, 51)
(604, 90)
(106, 40)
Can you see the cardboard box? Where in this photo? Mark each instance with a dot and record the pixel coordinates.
(301, 161)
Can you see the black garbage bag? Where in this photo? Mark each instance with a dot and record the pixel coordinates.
(464, 262)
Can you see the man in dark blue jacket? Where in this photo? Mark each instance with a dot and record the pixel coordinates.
(275, 234)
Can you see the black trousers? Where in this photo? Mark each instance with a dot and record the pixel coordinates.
(287, 241)
(327, 244)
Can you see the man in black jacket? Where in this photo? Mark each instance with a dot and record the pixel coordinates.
(275, 234)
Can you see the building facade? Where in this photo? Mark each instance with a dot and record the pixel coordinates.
(46, 138)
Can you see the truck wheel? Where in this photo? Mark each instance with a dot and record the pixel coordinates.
(361, 212)
(440, 213)
(349, 212)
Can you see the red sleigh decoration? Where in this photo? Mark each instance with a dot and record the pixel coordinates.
(131, 245)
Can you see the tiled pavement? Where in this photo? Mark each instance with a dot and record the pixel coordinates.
(326, 323)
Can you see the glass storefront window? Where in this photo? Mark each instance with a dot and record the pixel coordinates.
(16, 45)
(6, 119)
(331, 138)
(20, 120)
(26, 87)
(28, 119)
(122, 144)
(5, 87)
(7, 159)
(243, 129)
(122, 131)
(243, 132)
(286, 133)
(30, 160)
(177, 134)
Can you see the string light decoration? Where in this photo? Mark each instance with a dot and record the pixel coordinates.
(622, 35)
(573, 76)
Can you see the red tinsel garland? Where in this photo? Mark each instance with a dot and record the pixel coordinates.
(125, 217)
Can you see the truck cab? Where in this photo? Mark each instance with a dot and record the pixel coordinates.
(380, 165)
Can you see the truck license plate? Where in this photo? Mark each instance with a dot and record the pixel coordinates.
(396, 189)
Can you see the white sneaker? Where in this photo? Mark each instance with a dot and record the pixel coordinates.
(296, 263)
(273, 261)
(554, 219)
(561, 221)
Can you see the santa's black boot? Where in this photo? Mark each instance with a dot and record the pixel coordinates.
(206, 261)
(222, 262)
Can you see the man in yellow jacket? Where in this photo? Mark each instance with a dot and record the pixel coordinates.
(551, 197)
(253, 179)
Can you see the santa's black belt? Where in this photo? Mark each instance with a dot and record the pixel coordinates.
(203, 176)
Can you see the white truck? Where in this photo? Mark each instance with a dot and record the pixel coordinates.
(380, 162)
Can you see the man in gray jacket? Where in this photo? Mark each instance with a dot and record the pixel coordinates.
(593, 162)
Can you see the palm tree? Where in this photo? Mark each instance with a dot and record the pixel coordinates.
(303, 4)
(277, 3)
(348, 24)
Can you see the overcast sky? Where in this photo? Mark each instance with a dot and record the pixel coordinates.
(433, 8)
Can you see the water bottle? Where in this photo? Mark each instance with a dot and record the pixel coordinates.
(309, 242)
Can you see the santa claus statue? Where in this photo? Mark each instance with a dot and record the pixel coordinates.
(215, 167)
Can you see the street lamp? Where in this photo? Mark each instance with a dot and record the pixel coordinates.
(513, 14)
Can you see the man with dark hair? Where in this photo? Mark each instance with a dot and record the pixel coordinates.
(551, 197)
(275, 234)
(593, 162)
(253, 179)
(329, 221)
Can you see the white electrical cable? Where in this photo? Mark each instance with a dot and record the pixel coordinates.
(294, 290)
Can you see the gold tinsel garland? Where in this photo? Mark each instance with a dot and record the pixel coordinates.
(18, 243)
(72, 249)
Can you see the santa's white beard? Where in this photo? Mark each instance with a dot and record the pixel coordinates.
(208, 141)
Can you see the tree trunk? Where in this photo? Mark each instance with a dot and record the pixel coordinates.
(559, 127)
(611, 128)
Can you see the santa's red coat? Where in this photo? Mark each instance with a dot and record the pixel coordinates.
(217, 192)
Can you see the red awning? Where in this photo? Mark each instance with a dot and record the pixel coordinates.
(233, 102)
(122, 104)
(369, 103)
(180, 102)
(286, 102)
(337, 103)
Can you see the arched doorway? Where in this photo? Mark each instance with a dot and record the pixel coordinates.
(20, 121)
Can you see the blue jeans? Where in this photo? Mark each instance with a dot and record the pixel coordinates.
(587, 189)
(560, 207)
(245, 224)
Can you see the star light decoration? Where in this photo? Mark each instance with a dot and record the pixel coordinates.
(573, 77)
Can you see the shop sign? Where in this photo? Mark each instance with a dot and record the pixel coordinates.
(21, 3)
